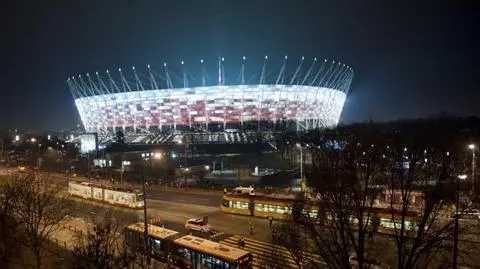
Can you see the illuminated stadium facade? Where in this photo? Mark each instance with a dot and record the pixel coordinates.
(310, 95)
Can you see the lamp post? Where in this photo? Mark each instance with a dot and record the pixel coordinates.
(145, 223)
(37, 151)
(301, 160)
(455, 233)
(185, 162)
(472, 148)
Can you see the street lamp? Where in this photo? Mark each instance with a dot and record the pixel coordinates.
(37, 150)
(145, 231)
(301, 160)
(455, 234)
(472, 148)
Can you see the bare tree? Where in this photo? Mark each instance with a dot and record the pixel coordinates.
(336, 220)
(102, 247)
(420, 201)
(40, 207)
(10, 231)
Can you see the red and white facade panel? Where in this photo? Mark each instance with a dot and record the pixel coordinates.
(215, 104)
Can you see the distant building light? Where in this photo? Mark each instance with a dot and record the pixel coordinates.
(17, 138)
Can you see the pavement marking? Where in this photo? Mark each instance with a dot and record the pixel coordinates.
(266, 255)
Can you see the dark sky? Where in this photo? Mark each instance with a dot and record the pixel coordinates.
(411, 59)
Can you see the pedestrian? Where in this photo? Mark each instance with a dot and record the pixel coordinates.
(224, 190)
(242, 242)
(169, 260)
(274, 236)
(251, 228)
(270, 220)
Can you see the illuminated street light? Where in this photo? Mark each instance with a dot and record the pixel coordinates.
(157, 155)
(33, 140)
(472, 148)
(207, 167)
(463, 176)
(301, 160)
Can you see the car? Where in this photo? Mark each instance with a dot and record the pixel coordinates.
(244, 190)
(472, 214)
(198, 224)
(368, 263)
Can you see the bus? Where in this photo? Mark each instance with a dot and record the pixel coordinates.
(280, 207)
(186, 251)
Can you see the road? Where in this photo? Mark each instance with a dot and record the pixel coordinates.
(175, 206)
(185, 197)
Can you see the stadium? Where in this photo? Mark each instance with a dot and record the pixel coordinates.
(159, 105)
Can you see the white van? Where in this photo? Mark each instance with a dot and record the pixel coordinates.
(243, 190)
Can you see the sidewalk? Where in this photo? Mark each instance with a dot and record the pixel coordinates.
(66, 236)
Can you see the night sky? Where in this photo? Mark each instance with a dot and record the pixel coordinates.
(411, 59)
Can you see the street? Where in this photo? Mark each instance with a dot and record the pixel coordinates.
(174, 206)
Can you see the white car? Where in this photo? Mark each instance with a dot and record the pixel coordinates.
(367, 263)
(472, 214)
(198, 224)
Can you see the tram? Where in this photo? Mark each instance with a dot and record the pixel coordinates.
(280, 207)
(186, 251)
(112, 195)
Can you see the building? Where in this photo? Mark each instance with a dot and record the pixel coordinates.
(151, 107)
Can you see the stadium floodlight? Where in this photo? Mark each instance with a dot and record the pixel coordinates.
(309, 101)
